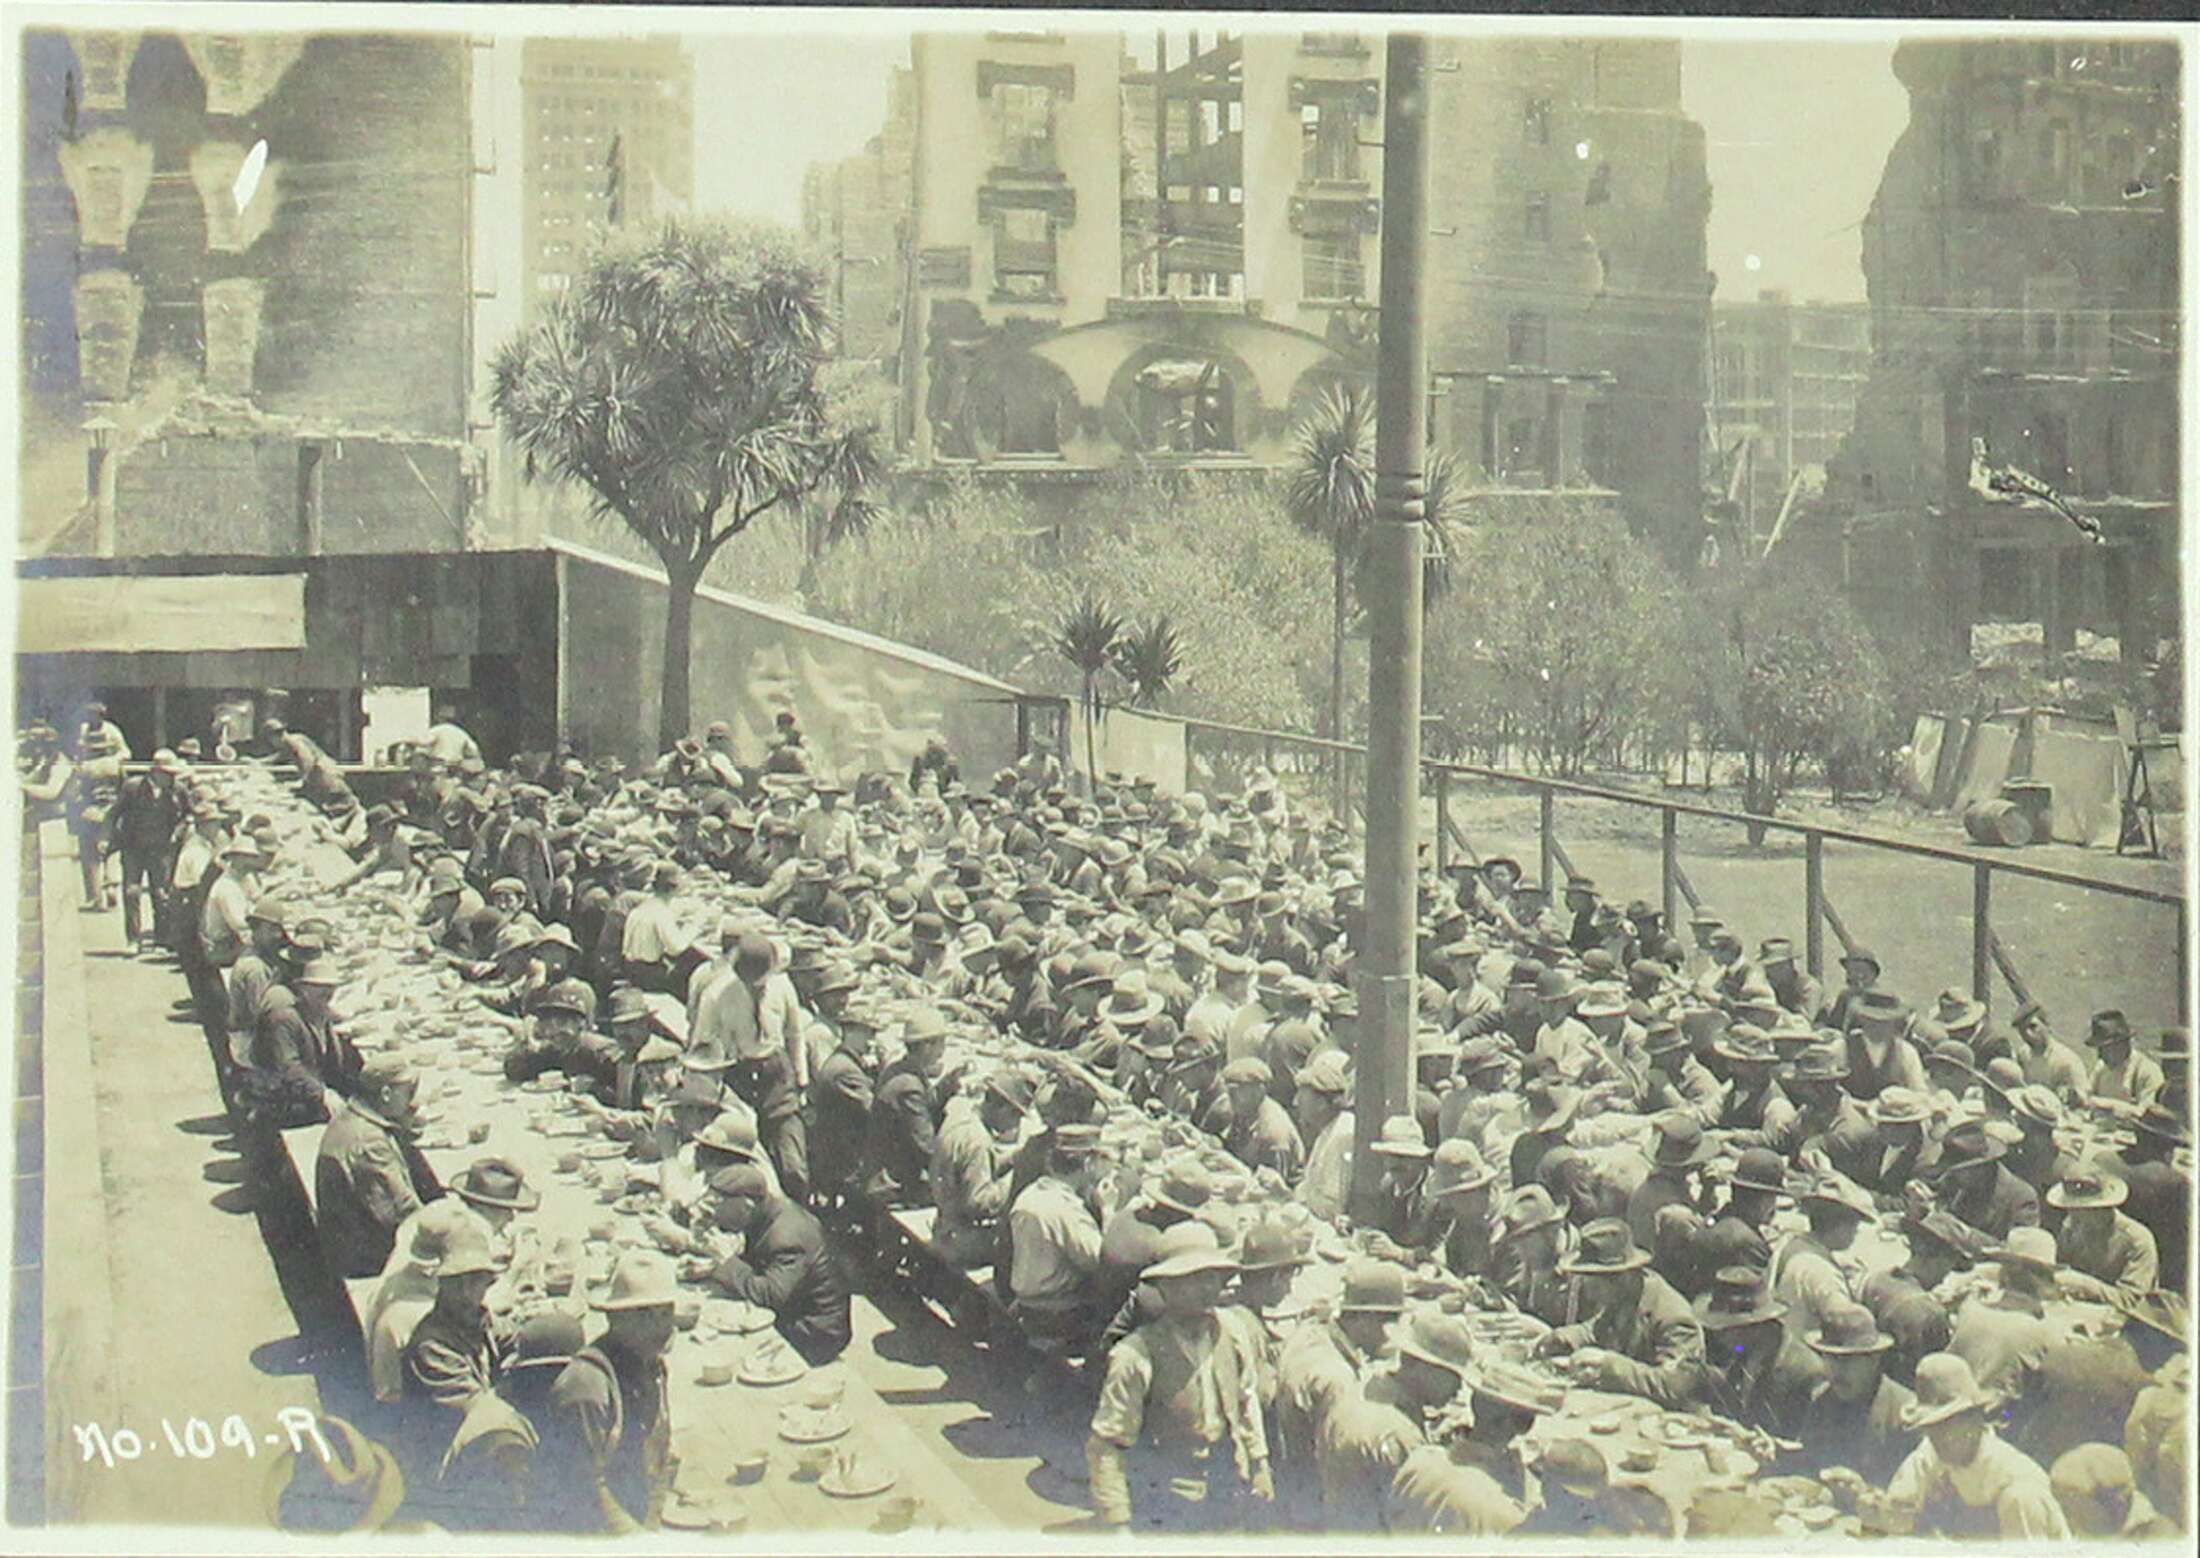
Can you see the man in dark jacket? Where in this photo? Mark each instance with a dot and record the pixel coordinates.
(2159, 1196)
(905, 1115)
(1977, 1190)
(297, 1064)
(147, 814)
(783, 1263)
(369, 1177)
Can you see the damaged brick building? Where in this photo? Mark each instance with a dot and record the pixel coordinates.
(2021, 259)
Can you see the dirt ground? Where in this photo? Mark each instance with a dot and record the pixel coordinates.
(2076, 950)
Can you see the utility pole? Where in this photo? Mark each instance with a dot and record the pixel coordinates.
(1384, 1081)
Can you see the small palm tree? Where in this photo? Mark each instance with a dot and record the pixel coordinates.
(1086, 638)
(1149, 660)
(1330, 494)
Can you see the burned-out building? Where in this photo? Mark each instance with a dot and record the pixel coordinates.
(2021, 258)
(1165, 249)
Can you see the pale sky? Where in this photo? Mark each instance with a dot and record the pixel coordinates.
(1798, 132)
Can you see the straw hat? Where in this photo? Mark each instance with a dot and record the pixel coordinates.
(1945, 1388)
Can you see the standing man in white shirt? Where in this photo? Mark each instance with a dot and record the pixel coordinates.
(753, 1021)
(655, 941)
(448, 741)
(1322, 1099)
(828, 833)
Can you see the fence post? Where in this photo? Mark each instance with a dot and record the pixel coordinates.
(1814, 902)
(1443, 821)
(1550, 838)
(2184, 985)
(1982, 931)
(1669, 848)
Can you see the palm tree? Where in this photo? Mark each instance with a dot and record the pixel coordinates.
(1330, 494)
(681, 381)
(1087, 639)
(1149, 659)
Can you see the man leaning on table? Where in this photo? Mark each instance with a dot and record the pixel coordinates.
(607, 1426)
(1639, 1336)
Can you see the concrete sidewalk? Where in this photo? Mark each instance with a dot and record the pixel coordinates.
(198, 1325)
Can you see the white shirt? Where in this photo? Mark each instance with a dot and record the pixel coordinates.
(828, 835)
(194, 858)
(2000, 1477)
(738, 1022)
(1327, 1179)
(450, 745)
(653, 933)
(1055, 1242)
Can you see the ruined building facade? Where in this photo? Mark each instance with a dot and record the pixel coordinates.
(1166, 249)
(2021, 259)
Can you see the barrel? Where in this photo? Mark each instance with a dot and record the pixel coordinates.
(2036, 801)
(1998, 822)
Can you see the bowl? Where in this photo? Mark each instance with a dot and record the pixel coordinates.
(569, 1163)
(811, 1464)
(748, 1469)
(478, 1134)
(687, 1309)
(717, 1372)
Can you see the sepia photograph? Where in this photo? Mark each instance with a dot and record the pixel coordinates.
(987, 780)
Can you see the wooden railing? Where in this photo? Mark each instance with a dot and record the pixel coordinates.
(1988, 954)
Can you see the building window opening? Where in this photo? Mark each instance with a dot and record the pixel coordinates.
(1334, 272)
(1186, 407)
(1332, 141)
(1024, 127)
(1537, 226)
(1535, 121)
(1023, 253)
(1526, 343)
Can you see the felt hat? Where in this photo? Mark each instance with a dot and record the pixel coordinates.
(496, 1182)
(628, 1005)
(1526, 974)
(1555, 984)
(1237, 890)
(1458, 1168)
(1944, 1388)
(2036, 1106)
(319, 970)
(1185, 1187)
(1373, 1287)
(643, 1279)
(1821, 1063)
(1550, 1106)
(1738, 1296)
(1480, 1055)
(734, 1131)
(1157, 1040)
(1497, 863)
(1745, 1047)
(1091, 968)
(1401, 1137)
(1953, 1054)
(468, 1252)
(1836, 1191)
(356, 1486)
(2087, 1187)
(1848, 1330)
(1663, 1036)
(1965, 1146)
(1899, 1106)
(1130, 1003)
(1326, 1073)
(1681, 1142)
(1014, 1086)
(1270, 1246)
(2162, 1125)
(1604, 1000)
(1078, 1140)
(1247, 1071)
(1776, 949)
(929, 929)
(555, 934)
(1880, 1008)
(1955, 1011)
(1195, 1050)
(2031, 1248)
(1607, 1247)
(1194, 944)
(1439, 1339)
(1187, 1250)
(740, 1179)
(1861, 957)
(1760, 1168)
(568, 996)
(1525, 1209)
(2108, 1027)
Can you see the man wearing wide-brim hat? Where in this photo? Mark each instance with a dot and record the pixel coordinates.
(608, 1417)
(1680, 1152)
(1472, 1478)
(1640, 1337)
(1530, 1240)
(1964, 1480)
(1159, 1456)
(1461, 1229)
(1752, 1104)
(1902, 1148)
(2105, 1254)
(1973, 1184)
(1262, 1134)
(2123, 1073)
(1562, 1039)
(1795, 990)
(1192, 1088)
(1851, 1415)
(367, 1176)
(2005, 1334)
(1745, 1347)
(1806, 1272)
(2046, 1059)
(1322, 1096)
(1817, 1083)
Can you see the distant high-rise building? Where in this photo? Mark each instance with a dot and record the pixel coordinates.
(855, 212)
(1784, 382)
(578, 95)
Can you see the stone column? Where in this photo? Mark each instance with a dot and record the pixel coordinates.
(232, 228)
(241, 71)
(108, 172)
(103, 69)
(232, 330)
(109, 305)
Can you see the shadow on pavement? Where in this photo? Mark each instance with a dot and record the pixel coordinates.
(205, 1125)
